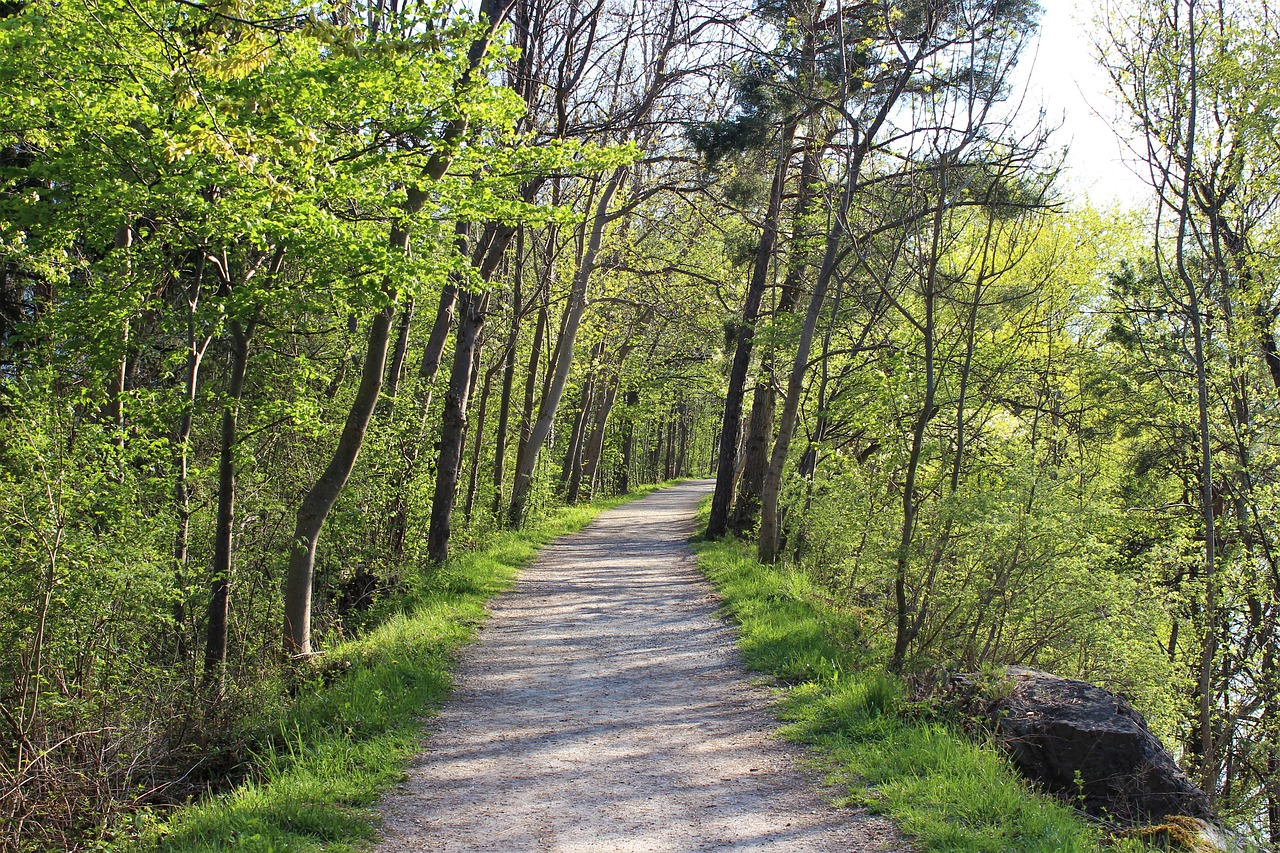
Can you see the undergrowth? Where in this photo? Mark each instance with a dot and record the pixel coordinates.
(324, 762)
(945, 791)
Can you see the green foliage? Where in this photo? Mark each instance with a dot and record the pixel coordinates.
(944, 791)
(324, 761)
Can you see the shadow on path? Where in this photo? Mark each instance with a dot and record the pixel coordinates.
(605, 709)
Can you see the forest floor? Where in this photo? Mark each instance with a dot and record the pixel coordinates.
(606, 708)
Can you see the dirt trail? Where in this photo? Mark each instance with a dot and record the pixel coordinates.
(605, 709)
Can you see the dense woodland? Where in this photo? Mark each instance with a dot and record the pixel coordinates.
(296, 300)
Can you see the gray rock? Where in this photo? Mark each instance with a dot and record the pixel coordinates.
(1091, 747)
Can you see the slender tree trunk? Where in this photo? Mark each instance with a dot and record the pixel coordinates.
(398, 512)
(718, 523)
(1204, 721)
(319, 500)
(767, 550)
(477, 443)
(668, 464)
(655, 451)
(508, 380)
(571, 470)
(531, 385)
(682, 441)
(564, 359)
(454, 424)
(632, 399)
(595, 444)
(746, 508)
(906, 628)
(433, 354)
(182, 441)
(755, 454)
(473, 306)
(388, 403)
(215, 650)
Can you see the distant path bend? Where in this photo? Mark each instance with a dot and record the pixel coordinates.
(604, 708)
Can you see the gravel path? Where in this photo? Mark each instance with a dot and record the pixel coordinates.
(605, 709)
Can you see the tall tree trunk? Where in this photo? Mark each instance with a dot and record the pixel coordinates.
(493, 12)
(682, 441)
(718, 523)
(319, 500)
(196, 349)
(668, 460)
(595, 444)
(571, 470)
(508, 380)
(906, 628)
(767, 550)
(454, 424)
(398, 354)
(564, 358)
(531, 385)
(453, 429)
(215, 650)
(433, 353)
(746, 507)
(632, 399)
(477, 442)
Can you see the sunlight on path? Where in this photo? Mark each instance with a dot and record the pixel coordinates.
(605, 709)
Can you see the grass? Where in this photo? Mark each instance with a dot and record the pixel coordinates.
(357, 719)
(943, 790)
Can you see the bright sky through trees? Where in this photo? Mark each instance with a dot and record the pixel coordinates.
(1061, 72)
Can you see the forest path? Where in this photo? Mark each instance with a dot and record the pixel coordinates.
(604, 708)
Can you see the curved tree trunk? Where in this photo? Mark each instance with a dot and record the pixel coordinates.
(319, 500)
(564, 358)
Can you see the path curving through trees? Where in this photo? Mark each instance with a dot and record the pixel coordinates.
(605, 709)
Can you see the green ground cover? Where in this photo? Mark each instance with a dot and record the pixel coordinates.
(328, 756)
(945, 791)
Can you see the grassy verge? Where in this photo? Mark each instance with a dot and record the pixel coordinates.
(942, 789)
(354, 726)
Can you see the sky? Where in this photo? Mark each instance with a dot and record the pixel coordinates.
(1060, 73)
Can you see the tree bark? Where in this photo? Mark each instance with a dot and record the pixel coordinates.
(746, 508)
(564, 358)
(595, 444)
(531, 385)
(215, 650)
(767, 550)
(571, 471)
(433, 353)
(906, 628)
(388, 403)
(453, 429)
(477, 440)
(508, 380)
(182, 441)
(631, 399)
(718, 523)
(319, 500)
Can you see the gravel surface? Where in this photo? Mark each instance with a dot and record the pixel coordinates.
(604, 708)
